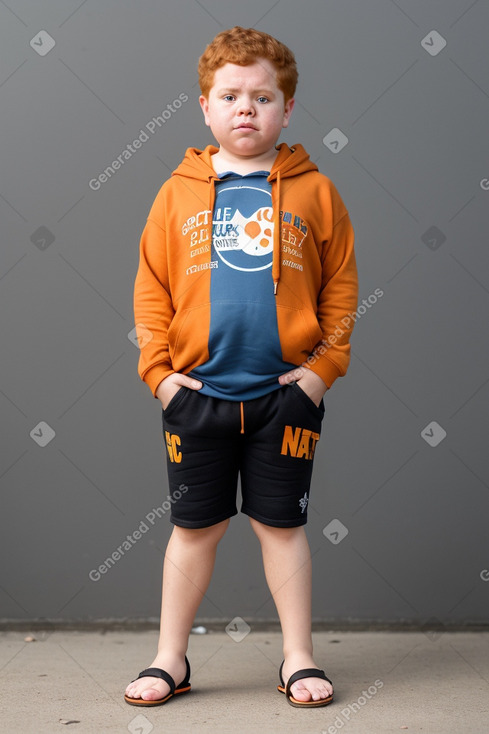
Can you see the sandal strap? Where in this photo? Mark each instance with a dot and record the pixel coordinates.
(186, 681)
(280, 674)
(158, 673)
(305, 673)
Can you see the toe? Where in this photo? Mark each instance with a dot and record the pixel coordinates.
(300, 693)
(310, 689)
(151, 694)
(149, 689)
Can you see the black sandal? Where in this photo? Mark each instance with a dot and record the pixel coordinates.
(305, 673)
(184, 686)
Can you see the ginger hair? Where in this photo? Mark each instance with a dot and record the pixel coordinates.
(243, 46)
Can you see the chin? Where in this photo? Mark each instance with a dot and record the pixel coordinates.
(249, 146)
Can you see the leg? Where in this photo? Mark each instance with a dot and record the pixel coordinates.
(287, 564)
(187, 570)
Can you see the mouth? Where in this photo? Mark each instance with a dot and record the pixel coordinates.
(245, 126)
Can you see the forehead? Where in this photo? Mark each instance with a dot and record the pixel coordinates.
(261, 73)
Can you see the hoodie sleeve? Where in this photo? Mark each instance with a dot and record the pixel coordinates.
(337, 301)
(153, 309)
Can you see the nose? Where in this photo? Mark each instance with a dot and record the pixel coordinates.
(245, 107)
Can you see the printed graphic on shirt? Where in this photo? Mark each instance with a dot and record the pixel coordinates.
(250, 234)
(293, 233)
(196, 228)
(294, 229)
(244, 242)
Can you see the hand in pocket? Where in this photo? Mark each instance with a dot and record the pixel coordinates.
(308, 381)
(169, 387)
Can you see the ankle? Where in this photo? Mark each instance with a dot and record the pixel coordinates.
(291, 653)
(171, 653)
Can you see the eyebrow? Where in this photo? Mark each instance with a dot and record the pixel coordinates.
(231, 90)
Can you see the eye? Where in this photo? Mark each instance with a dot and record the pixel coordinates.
(229, 97)
(263, 100)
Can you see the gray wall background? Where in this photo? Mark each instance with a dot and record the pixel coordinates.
(414, 175)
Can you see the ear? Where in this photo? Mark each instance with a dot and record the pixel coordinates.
(204, 103)
(289, 106)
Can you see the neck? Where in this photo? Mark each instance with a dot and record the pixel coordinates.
(224, 161)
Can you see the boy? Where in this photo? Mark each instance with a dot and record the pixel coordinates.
(246, 283)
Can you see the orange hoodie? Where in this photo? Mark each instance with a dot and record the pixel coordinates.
(314, 271)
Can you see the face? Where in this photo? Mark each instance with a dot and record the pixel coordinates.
(245, 109)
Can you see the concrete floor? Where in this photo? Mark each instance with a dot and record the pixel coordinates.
(384, 682)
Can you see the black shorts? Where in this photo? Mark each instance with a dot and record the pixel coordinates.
(268, 441)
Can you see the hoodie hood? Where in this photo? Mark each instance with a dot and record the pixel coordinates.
(293, 161)
(290, 161)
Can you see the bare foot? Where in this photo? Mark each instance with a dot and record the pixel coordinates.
(152, 689)
(307, 689)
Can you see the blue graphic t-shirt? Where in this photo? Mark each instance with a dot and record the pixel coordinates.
(245, 357)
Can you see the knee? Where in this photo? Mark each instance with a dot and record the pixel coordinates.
(209, 536)
(264, 532)
(216, 532)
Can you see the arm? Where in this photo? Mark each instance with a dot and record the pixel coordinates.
(153, 309)
(337, 302)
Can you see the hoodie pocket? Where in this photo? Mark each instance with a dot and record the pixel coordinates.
(299, 332)
(188, 337)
